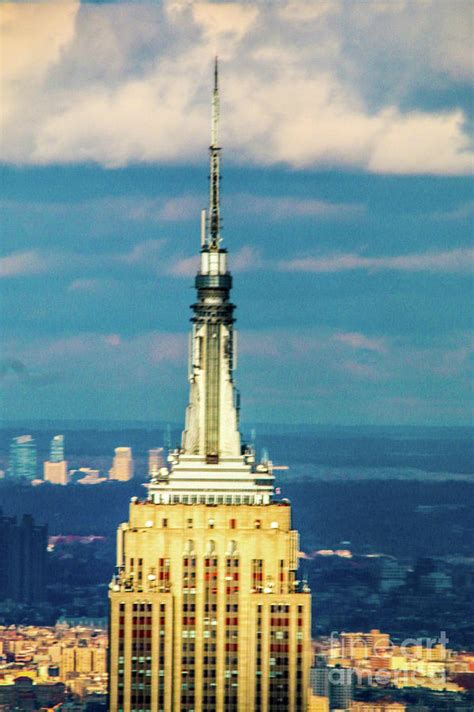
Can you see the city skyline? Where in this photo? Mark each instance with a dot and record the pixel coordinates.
(347, 208)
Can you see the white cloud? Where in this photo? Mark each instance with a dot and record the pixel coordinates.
(456, 260)
(148, 253)
(231, 21)
(88, 285)
(183, 207)
(347, 357)
(152, 255)
(359, 370)
(285, 207)
(19, 264)
(421, 143)
(185, 266)
(305, 84)
(111, 210)
(359, 341)
(95, 350)
(245, 260)
(32, 39)
(460, 212)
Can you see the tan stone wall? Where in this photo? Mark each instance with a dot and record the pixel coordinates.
(178, 531)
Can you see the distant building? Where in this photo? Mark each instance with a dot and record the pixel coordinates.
(56, 472)
(88, 476)
(57, 449)
(167, 438)
(23, 559)
(435, 582)
(122, 468)
(55, 469)
(79, 659)
(155, 461)
(341, 688)
(430, 578)
(85, 472)
(26, 695)
(22, 458)
(319, 677)
(392, 575)
(360, 646)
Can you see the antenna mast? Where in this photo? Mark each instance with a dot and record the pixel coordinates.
(214, 200)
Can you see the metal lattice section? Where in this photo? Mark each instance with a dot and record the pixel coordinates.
(212, 389)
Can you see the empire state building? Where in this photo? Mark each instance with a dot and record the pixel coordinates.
(206, 614)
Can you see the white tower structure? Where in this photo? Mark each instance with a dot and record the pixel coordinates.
(211, 466)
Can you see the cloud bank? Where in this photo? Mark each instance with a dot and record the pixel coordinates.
(155, 256)
(456, 260)
(304, 84)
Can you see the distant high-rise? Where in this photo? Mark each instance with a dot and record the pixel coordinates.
(206, 614)
(319, 677)
(57, 449)
(122, 468)
(56, 472)
(167, 437)
(22, 559)
(22, 458)
(55, 469)
(155, 461)
(341, 687)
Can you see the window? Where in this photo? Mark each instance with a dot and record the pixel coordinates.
(233, 523)
(164, 523)
(258, 524)
(189, 523)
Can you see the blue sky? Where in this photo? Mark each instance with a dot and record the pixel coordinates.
(347, 207)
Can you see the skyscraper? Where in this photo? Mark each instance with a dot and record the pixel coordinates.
(319, 677)
(23, 559)
(341, 687)
(206, 614)
(57, 449)
(55, 469)
(122, 468)
(155, 461)
(55, 472)
(22, 463)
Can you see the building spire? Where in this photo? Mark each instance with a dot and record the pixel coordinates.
(214, 238)
(215, 106)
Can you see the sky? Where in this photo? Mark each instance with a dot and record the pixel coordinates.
(347, 206)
